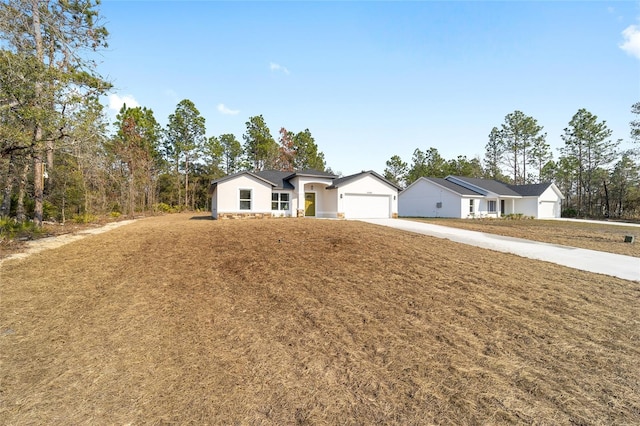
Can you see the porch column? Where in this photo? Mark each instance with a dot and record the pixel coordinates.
(300, 209)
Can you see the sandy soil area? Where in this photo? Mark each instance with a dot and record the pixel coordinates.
(22, 250)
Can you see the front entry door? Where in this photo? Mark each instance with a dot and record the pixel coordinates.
(501, 207)
(309, 203)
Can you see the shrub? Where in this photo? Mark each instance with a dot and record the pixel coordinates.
(50, 211)
(11, 228)
(162, 207)
(166, 208)
(115, 215)
(515, 216)
(84, 218)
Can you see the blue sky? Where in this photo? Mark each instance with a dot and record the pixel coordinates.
(376, 79)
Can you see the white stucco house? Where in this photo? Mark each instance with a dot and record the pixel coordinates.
(303, 193)
(462, 197)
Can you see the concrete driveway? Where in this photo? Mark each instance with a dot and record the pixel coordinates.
(616, 265)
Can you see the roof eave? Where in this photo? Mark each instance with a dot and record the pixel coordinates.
(555, 189)
(350, 178)
(233, 176)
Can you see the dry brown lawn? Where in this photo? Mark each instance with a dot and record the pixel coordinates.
(601, 236)
(176, 321)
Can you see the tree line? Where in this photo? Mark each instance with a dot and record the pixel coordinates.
(58, 156)
(597, 178)
(142, 167)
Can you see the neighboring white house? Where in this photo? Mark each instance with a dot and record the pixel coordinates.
(462, 197)
(312, 193)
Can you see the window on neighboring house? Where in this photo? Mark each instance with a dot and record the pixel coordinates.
(471, 206)
(245, 199)
(279, 201)
(492, 204)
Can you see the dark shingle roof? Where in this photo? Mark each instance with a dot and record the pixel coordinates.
(215, 182)
(490, 185)
(277, 177)
(531, 190)
(494, 186)
(458, 189)
(281, 179)
(312, 172)
(341, 181)
(233, 175)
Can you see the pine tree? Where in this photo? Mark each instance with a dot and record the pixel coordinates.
(47, 41)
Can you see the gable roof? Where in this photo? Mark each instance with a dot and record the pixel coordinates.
(535, 189)
(311, 173)
(452, 186)
(234, 175)
(281, 179)
(467, 186)
(486, 185)
(277, 177)
(346, 179)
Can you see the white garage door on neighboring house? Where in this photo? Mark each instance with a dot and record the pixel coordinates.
(548, 209)
(367, 206)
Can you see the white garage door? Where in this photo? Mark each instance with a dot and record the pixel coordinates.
(547, 210)
(366, 206)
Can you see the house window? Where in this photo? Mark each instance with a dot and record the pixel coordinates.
(245, 199)
(492, 204)
(471, 206)
(279, 201)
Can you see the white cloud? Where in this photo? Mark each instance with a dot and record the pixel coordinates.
(224, 110)
(631, 43)
(116, 101)
(277, 67)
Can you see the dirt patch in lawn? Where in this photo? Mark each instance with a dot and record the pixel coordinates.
(53, 235)
(21, 249)
(293, 321)
(599, 236)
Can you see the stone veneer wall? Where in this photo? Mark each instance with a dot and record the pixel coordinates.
(244, 215)
(269, 215)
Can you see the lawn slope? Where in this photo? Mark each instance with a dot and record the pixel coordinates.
(176, 320)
